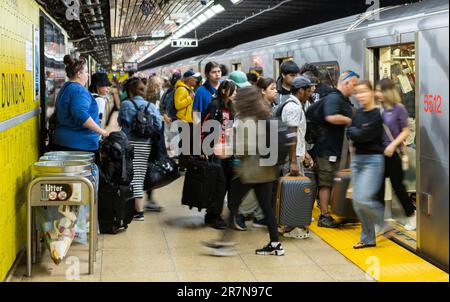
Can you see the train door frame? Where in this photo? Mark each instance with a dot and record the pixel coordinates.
(372, 58)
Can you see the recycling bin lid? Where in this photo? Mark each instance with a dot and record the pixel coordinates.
(62, 167)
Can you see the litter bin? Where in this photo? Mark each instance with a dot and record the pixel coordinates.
(62, 184)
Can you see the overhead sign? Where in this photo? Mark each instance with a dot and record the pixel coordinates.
(185, 43)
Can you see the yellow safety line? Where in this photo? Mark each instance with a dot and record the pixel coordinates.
(388, 262)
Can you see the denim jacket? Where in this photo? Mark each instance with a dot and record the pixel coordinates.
(128, 112)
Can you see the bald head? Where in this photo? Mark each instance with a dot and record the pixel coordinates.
(347, 82)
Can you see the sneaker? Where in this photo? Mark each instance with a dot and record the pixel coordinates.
(298, 233)
(239, 223)
(262, 223)
(270, 250)
(327, 222)
(219, 244)
(139, 217)
(411, 223)
(153, 207)
(384, 230)
(222, 251)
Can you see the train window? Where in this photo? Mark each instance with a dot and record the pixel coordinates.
(328, 72)
(278, 63)
(237, 66)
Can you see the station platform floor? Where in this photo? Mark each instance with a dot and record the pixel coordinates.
(166, 247)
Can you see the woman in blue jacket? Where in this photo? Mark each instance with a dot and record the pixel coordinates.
(135, 90)
(77, 120)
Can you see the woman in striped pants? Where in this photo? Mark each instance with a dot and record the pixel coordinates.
(135, 90)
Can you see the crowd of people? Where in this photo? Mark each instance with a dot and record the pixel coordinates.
(377, 127)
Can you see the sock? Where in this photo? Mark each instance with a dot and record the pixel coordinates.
(275, 244)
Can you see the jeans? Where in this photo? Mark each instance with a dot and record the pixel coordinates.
(368, 175)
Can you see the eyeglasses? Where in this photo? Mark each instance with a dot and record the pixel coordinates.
(351, 74)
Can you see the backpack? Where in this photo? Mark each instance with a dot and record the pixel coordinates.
(169, 101)
(278, 110)
(142, 125)
(286, 138)
(314, 121)
(117, 156)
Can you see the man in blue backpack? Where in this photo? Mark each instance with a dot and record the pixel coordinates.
(204, 94)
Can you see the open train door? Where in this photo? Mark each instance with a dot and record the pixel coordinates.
(433, 140)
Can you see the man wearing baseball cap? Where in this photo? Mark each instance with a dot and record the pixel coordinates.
(291, 112)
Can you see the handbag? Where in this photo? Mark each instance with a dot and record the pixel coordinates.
(401, 151)
(160, 173)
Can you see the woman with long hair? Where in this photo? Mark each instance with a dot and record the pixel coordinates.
(250, 173)
(221, 110)
(77, 115)
(135, 90)
(395, 119)
(366, 132)
(269, 92)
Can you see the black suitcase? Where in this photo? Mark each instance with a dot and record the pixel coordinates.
(200, 183)
(295, 201)
(115, 207)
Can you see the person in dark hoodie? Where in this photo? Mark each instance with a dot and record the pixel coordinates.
(322, 89)
(289, 70)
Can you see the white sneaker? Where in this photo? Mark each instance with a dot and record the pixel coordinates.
(298, 233)
(411, 223)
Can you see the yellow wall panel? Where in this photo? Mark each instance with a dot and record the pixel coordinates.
(19, 144)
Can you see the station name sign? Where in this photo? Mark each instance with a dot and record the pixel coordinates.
(185, 43)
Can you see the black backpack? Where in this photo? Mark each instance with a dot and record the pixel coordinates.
(314, 121)
(117, 156)
(142, 125)
(286, 138)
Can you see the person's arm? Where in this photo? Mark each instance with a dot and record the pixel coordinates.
(294, 168)
(91, 125)
(198, 100)
(291, 115)
(182, 99)
(157, 122)
(333, 111)
(116, 98)
(79, 109)
(338, 119)
(367, 133)
(398, 141)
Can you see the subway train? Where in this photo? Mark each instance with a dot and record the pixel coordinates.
(407, 43)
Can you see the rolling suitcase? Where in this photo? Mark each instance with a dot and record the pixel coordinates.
(341, 200)
(200, 183)
(295, 201)
(115, 208)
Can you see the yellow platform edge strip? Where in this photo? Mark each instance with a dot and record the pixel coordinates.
(388, 262)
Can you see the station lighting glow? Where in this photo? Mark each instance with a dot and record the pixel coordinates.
(208, 12)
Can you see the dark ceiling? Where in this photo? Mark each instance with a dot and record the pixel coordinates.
(289, 15)
(101, 21)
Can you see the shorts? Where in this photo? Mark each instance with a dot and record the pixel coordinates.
(326, 171)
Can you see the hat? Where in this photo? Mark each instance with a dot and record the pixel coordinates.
(240, 78)
(191, 73)
(301, 82)
(100, 80)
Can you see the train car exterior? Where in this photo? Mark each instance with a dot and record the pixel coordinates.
(408, 43)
